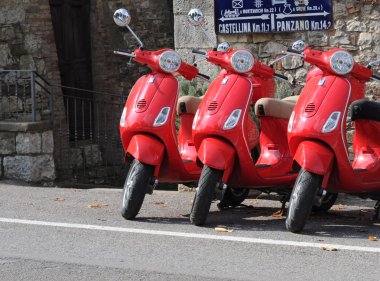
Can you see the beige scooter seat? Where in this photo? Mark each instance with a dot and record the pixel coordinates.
(276, 108)
(188, 104)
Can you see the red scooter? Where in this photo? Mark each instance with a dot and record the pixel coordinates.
(147, 125)
(317, 134)
(226, 137)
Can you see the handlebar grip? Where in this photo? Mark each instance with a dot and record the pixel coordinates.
(123, 50)
(280, 76)
(290, 50)
(199, 52)
(204, 76)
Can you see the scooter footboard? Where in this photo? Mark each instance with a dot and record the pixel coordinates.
(217, 154)
(315, 157)
(146, 149)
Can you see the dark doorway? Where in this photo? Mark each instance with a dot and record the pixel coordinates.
(71, 22)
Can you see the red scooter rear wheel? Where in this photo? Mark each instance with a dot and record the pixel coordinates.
(233, 197)
(135, 188)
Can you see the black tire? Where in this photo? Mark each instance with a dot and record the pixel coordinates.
(233, 197)
(135, 188)
(208, 182)
(302, 199)
(327, 202)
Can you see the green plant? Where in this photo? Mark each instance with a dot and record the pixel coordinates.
(193, 88)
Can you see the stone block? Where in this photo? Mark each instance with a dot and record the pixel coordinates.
(365, 40)
(356, 25)
(187, 36)
(7, 33)
(7, 143)
(6, 57)
(272, 48)
(29, 168)
(11, 104)
(28, 143)
(76, 158)
(12, 12)
(184, 6)
(340, 38)
(292, 63)
(92, 155)
(47, 142)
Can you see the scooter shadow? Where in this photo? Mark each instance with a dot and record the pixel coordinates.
(335, 223)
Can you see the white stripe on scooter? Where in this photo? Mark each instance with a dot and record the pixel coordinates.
(193, 235)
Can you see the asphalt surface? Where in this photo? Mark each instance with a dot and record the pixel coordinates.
(72, 234)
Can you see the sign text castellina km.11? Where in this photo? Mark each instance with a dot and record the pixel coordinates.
(259, 16)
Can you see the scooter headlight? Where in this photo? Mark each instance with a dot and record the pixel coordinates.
(122, 118)
(242, 61)
(162, 117)
(232, 120)
(290, 124)
(195, 120)
(169, 61)
(331, 123)
(342, 62)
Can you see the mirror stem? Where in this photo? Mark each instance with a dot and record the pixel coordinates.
(208, 36)
(134, 35)
(278, 59)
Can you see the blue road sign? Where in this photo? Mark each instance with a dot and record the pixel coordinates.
(262, 16)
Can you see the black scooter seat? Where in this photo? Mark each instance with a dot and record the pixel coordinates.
(365, 109)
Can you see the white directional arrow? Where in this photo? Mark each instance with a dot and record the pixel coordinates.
(263, 17)
(283, 16)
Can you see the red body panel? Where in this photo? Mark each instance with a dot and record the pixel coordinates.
(315, 157)
(233, 91)
(146, 149)
(217, 154)
(149, 95)
(315, 150)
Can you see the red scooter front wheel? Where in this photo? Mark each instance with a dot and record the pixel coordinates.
(302, 199)
(135, 188)
(208, 183)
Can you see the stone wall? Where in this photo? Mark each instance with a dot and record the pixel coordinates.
(26, 152)
(151, 20)
(356, 28)
(27, 42)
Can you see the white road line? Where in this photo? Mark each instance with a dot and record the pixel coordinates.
(194, 235)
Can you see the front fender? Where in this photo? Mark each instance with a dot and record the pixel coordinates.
(147, 149)
(217, 154)
(315, 157)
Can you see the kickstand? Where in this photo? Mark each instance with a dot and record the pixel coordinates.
(377, 211)
(284, 199)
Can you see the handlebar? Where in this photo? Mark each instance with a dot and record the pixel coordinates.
(203, 76)
(294, 52)
(281, 77)
(124, 53)
(376, 78)
(197, 52)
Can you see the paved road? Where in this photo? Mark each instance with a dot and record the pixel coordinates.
(53, 234)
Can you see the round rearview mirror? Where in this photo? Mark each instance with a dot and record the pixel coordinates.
(121, 17)
(196, 17)
(299, 45)
(223, 47)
